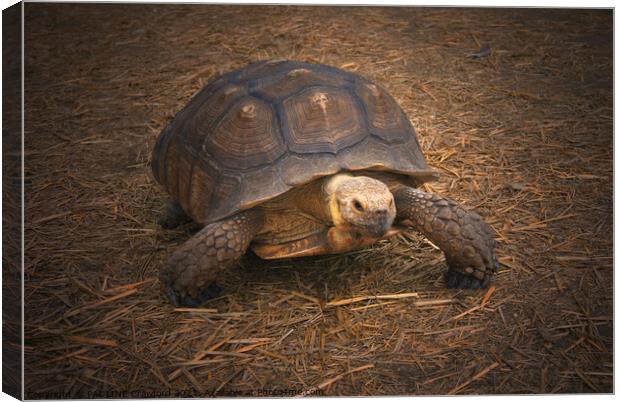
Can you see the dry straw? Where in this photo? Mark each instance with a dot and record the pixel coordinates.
(523, 136)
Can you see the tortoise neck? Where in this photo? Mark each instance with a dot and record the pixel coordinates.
(317, 199)
(330, 187)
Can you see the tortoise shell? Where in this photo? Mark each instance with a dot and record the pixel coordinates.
(255, 133)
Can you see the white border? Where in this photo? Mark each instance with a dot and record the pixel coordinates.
(454, 3)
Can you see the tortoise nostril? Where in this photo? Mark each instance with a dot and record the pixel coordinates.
(381, 211)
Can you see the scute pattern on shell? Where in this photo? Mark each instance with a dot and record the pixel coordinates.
(254, 133)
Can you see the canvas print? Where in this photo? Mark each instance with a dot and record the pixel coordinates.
(270, 201)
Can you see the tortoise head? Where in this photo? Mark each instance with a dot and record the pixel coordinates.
(362, 203)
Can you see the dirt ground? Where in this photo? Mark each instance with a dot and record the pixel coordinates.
(523, 136)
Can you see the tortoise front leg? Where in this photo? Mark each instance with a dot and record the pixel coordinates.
(187, 275)
(463, 236)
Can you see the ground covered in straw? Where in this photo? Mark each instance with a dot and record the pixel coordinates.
(523, 135)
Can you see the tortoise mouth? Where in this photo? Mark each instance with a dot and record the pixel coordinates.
(379, 230)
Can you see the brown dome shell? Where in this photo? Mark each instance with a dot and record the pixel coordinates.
(255, 133)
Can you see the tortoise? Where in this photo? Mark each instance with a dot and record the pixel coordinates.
(296, 159)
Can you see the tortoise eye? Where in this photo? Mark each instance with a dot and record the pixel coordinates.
(358, 206)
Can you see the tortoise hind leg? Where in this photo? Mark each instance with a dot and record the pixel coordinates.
(173, 216)
(463, 236)
(188, 275)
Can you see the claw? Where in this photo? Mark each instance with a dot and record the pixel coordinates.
(173, 216)
(171, 295)
(455, 279)
(167, 223)
(210, 292)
